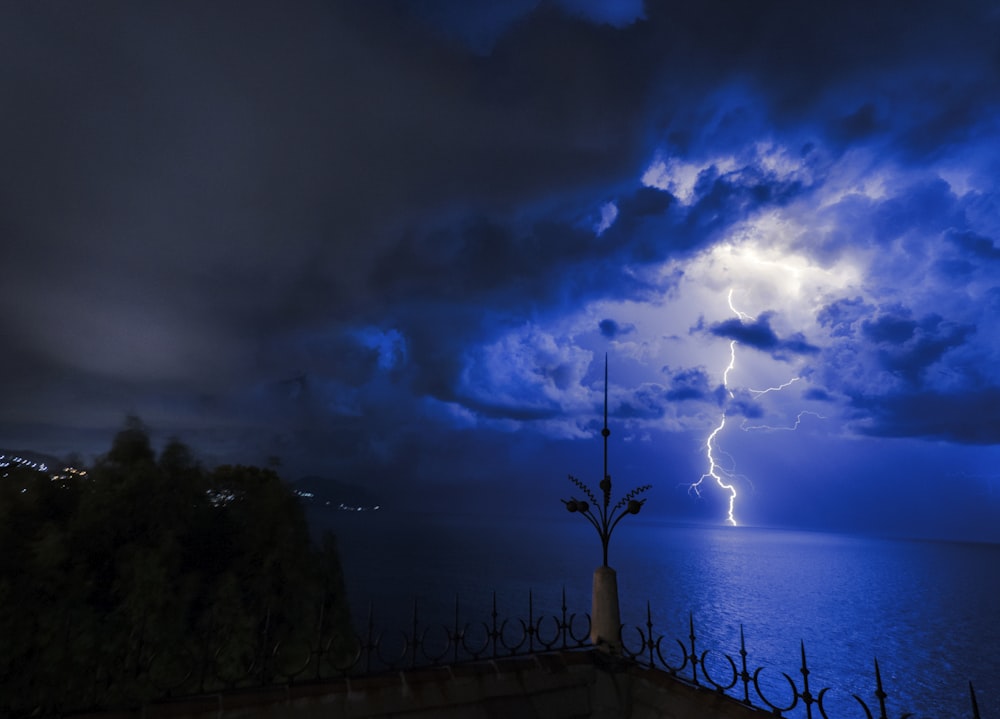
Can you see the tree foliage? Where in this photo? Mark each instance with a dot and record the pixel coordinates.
(152, 576)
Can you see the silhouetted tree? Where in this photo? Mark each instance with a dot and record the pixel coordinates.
(150, 571)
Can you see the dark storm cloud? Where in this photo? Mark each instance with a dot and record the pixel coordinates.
(761, 336)
(611, 329)
(894, 328)
(966, 416)
(644, 202)
(860, 124)
(818, 394)
(550, 262)
(478, 24)
(979, 247)
(929, 207)
(689, 384)
(804, 57)
(743, 405)
(843, 315)
(230, 181)
(908, 347)
(645, 402)
(657, 229)
(516, 411)
(491, 263)
(327, 88)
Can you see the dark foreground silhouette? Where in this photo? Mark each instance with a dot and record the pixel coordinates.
(120, 584)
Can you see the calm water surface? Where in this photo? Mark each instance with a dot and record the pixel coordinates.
(928, 611)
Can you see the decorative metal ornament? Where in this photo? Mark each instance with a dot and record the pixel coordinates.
(603, 519)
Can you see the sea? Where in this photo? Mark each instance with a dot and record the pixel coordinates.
(927, 611)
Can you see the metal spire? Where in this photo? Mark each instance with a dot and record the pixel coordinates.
(606, 432)
(602, 515)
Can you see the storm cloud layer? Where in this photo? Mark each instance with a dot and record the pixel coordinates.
(386, 240)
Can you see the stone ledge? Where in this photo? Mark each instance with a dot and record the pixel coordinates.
(554, 685)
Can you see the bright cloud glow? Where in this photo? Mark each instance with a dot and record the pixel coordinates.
(609, 211)
(765, 275)
(680, 178)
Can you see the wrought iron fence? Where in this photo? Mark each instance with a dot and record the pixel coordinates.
(319, 654)
(742, 681)
(498, 638)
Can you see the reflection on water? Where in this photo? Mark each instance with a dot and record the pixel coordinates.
(926, 610)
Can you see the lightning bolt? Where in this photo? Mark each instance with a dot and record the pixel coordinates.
(768, 428)
(722, 476)
(732, 363)
(759, 392)
(725, 478)
(718, 472)
(741, 315)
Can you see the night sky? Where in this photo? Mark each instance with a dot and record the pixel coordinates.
(391, 243)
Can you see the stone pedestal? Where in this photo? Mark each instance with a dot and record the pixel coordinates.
(605, 618)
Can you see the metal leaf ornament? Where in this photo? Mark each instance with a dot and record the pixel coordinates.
(603, 519)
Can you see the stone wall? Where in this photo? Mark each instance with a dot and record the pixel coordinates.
(558, 685)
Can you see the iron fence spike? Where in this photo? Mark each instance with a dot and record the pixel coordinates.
(975, 704)
(880, 692)
(744, 674)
